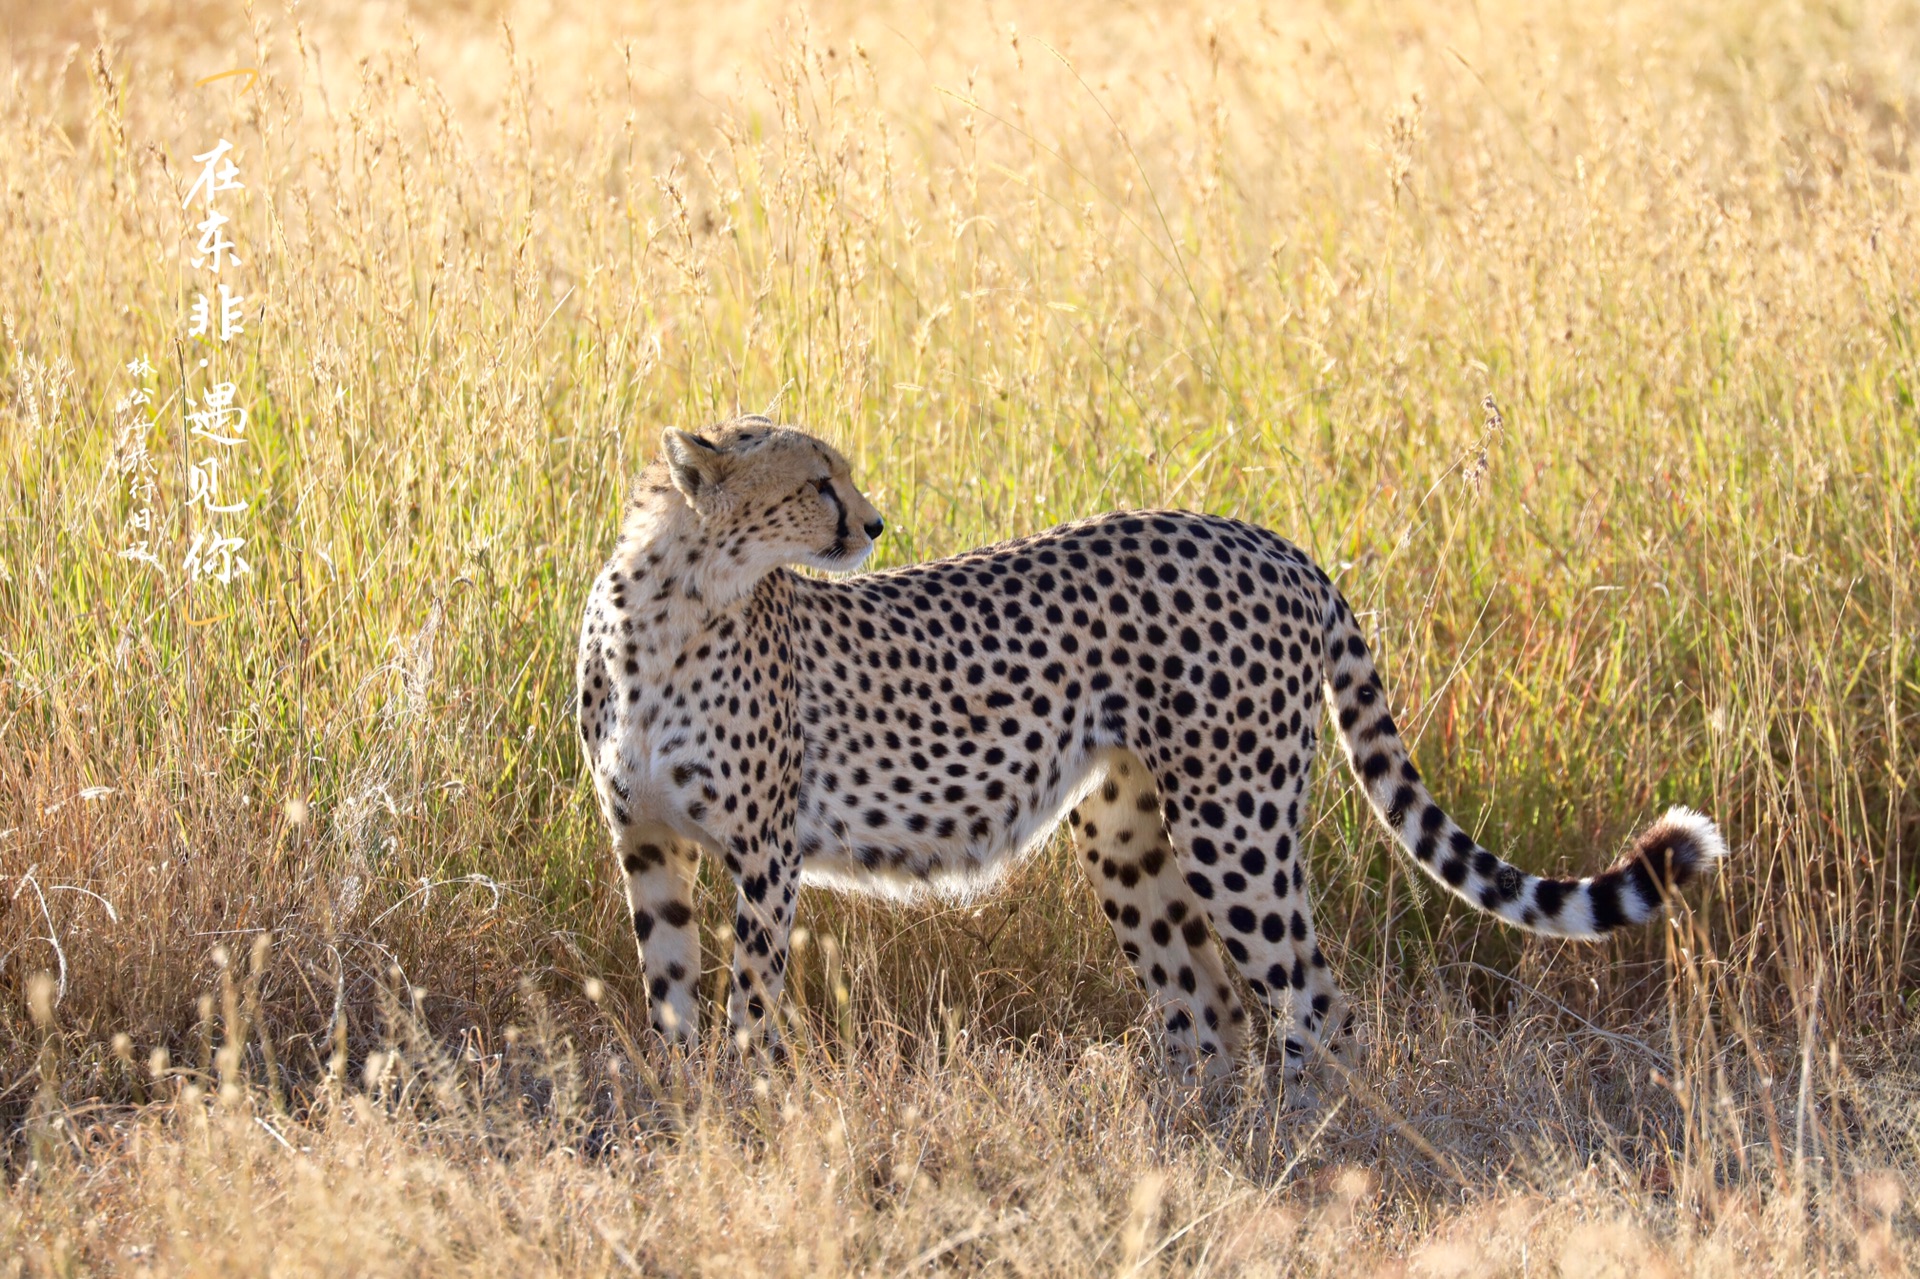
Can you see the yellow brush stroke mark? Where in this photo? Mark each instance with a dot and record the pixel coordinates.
(252, 74)
(209, 621)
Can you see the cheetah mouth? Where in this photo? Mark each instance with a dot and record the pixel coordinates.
(838, 557)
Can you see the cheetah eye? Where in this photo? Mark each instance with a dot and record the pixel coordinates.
(823, 486)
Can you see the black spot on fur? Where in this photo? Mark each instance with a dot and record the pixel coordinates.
(1549, 895)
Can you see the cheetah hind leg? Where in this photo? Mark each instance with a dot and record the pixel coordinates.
(1240, 857)
(1162, 930)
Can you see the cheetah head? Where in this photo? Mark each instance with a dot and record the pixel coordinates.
(771, 495)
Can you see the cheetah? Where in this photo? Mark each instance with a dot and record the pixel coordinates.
(1154, 677)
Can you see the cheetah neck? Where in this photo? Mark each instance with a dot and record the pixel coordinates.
(679, 574)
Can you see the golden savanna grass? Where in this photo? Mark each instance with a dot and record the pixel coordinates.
(1578, 341)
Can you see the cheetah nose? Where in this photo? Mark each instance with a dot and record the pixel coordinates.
(874, 526)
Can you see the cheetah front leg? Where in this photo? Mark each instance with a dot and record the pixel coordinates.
(766, 874)
(660, 872)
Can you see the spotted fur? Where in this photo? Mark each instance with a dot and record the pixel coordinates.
(1154, 677)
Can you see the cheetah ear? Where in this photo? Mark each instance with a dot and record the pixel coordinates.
(695, 465)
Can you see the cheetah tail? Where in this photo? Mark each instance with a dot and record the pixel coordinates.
(1679, 847)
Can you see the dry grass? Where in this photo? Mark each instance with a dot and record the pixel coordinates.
(324, 1002)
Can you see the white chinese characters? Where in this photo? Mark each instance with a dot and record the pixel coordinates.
(216, 426)
(229, 323)
(131, 458)
(213, 424)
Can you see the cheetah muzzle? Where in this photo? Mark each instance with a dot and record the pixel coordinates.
(1154, 677)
